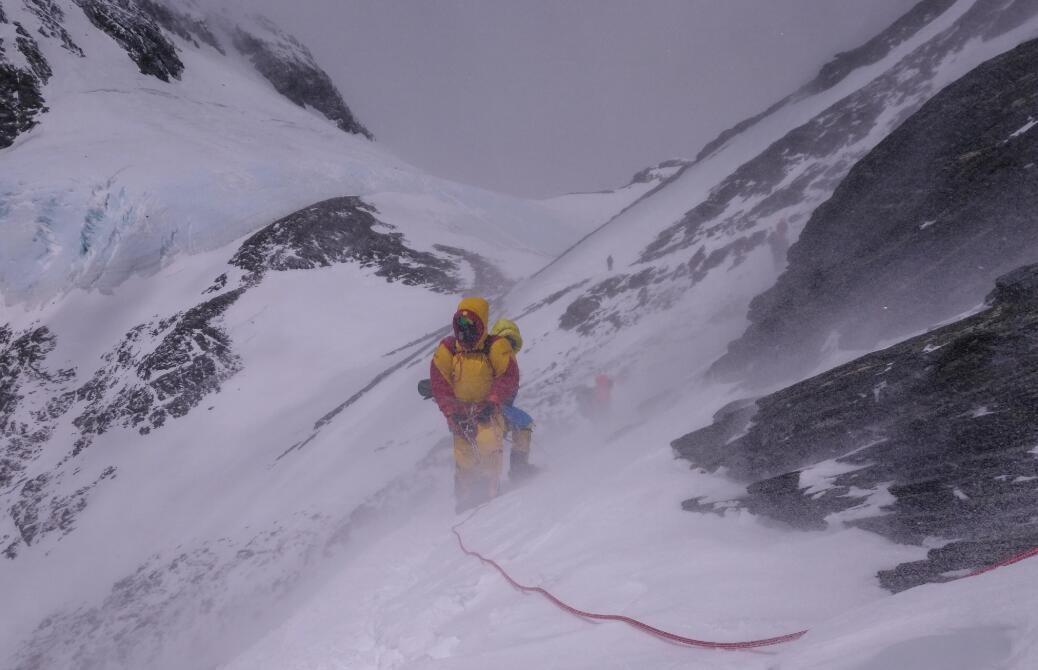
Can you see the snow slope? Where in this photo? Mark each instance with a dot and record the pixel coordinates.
(601, 527)
(586, 212)
(611, 538)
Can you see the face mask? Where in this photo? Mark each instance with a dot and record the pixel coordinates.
(466, 329)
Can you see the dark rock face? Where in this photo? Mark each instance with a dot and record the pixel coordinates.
(22, 373)
(129, 25)
(291, 69)
(21, 99)
(37, 512)
(31, 50)
(52, 20)
(585, 314)
(342, 230)
(159, 371)
(186, 27)
(916, 232)
(191, 359)
(942, 423)
(26, 416)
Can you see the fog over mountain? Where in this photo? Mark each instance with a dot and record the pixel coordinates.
(541, 97)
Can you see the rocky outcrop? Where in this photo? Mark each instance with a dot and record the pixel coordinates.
(159, 371)
(291, 69)
(916, 232)
(141, 38)
(23, 374)
(189, 28)
(52, 23)
(930, 441)
(176, 363)
(21, 98)
(342, 230)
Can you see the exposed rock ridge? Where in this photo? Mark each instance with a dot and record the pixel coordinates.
(932, 440)
(291, 69)
(916, 232)
(189, 28)
(144, 41)
(342, 230)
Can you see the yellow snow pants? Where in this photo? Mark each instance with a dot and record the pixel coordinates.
(477, 460)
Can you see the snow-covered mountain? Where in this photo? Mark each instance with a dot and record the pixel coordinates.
(132, 164)
(219, 294)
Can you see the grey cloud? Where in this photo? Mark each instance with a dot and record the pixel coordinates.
(543, 97)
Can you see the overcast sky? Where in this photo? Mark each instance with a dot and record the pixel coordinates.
(538, 97)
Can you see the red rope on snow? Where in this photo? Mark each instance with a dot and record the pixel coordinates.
(1009, 561)
(640, 625)
(658, 632)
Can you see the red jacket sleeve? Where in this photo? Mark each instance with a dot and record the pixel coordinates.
(443, 392)
(506, 385)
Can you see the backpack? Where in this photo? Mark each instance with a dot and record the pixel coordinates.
(508, 329)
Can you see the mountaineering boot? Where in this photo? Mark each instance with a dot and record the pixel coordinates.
(519, 467)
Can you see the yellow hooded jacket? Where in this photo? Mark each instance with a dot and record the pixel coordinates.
(485, 372)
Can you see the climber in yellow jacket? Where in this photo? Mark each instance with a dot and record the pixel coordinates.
(472, 374)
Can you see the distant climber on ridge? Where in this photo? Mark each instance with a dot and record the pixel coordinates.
(472, 374)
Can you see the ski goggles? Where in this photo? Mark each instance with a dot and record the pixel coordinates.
(466, 328)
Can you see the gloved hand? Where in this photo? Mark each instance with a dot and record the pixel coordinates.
(461, 421)
(452, 407)
(487, 411)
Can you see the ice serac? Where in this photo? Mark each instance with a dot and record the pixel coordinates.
(290, 67)
(929, 441)
(916, 232)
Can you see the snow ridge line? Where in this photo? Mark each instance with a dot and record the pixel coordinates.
(635, 623)
(660, 633)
